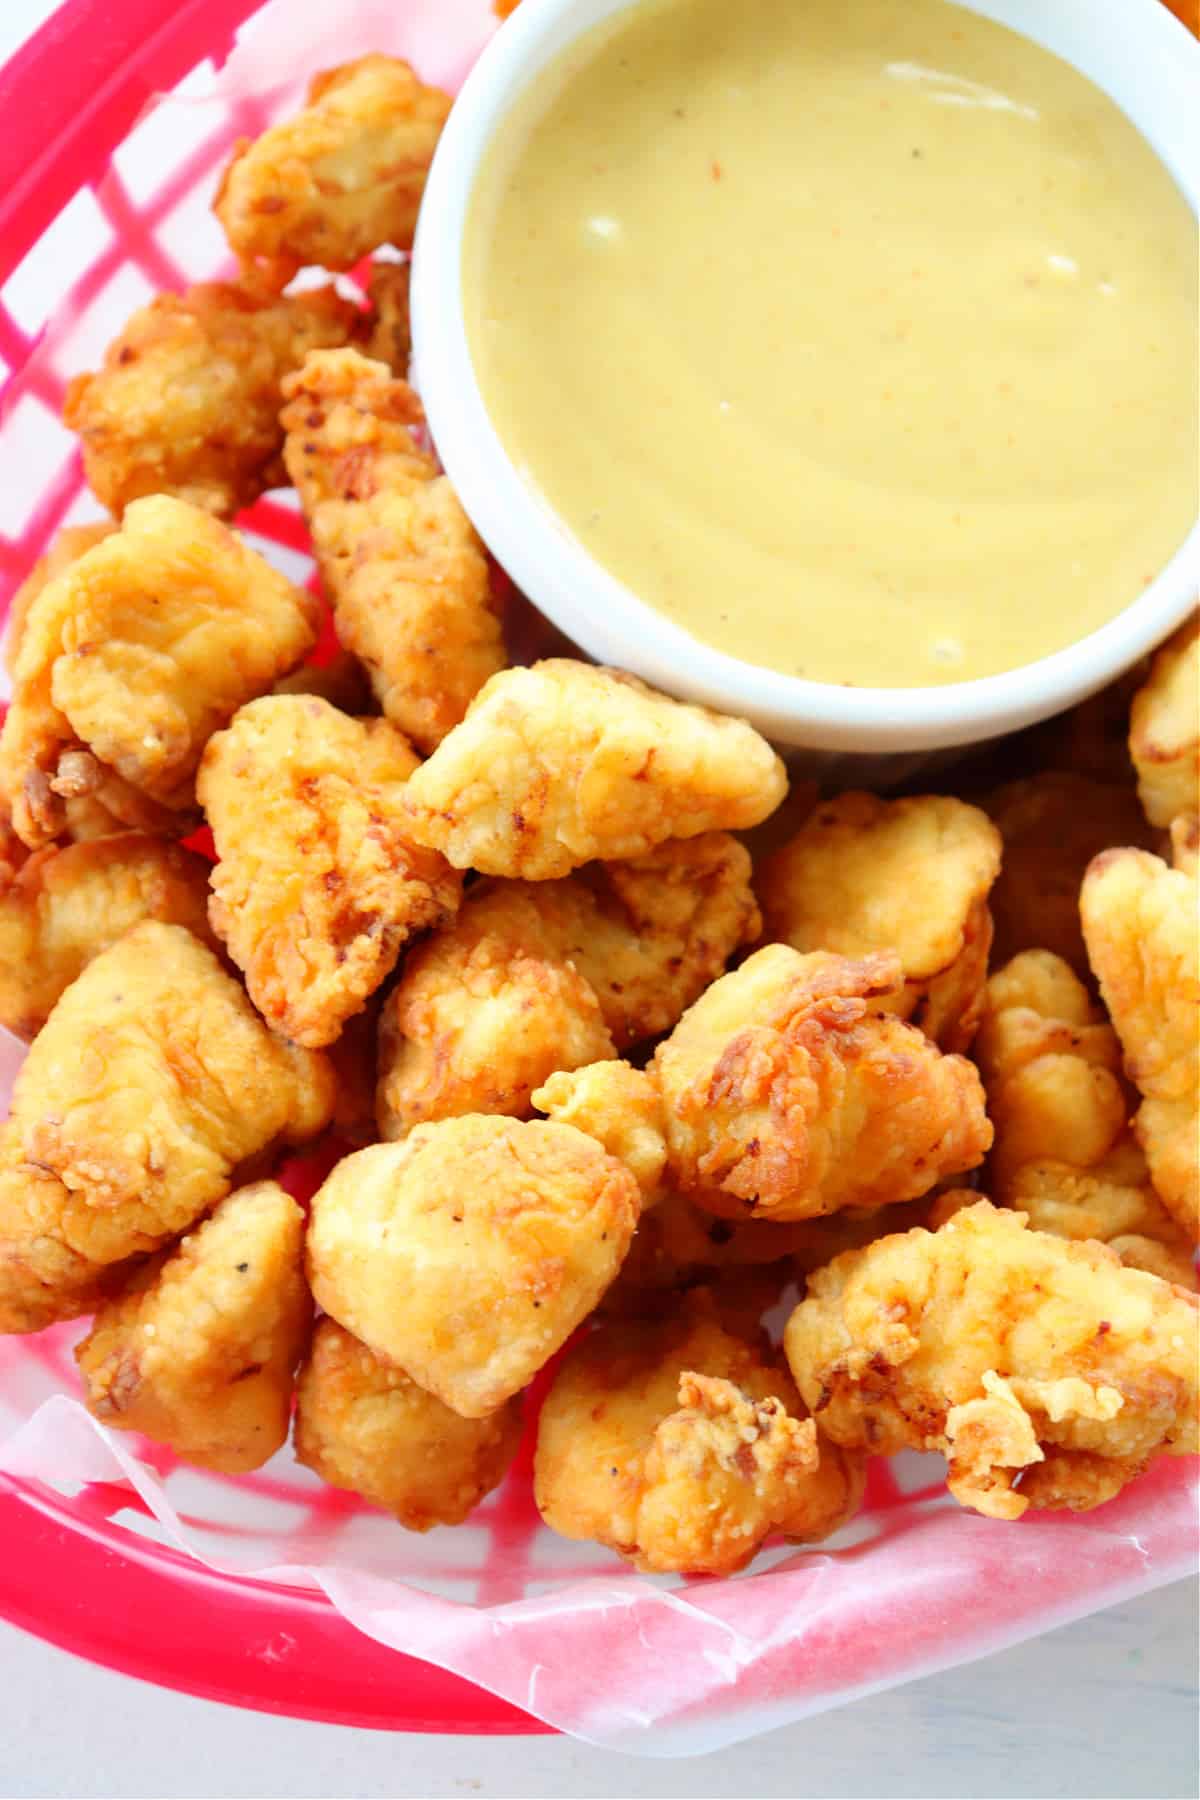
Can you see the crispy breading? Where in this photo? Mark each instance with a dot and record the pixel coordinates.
(538, 976)
(341, 680)
(621, 1108)
(64, 906)
(186, 401)
(683, 1446)
(1164, 729)
(1141, 921)
(362, 1424)
(789, 1093)
(67, 546)
(152, 1084)
(468, 1253)
(338, 179)
(317, 888)
(1064, 1152)
(389, 329)
(557, 765)
(1052, 824)
(135, 655)
(1006, 1349)
(200, 1349)
(909, 875)
(402, 563)
(1185, 844)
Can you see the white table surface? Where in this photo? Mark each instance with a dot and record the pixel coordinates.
(1104, 1708)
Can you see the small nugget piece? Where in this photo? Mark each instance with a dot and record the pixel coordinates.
(1064, 1153)
(389, 333)
(788, 1092)
(1053, 824)
(1164, 729)
(317, 889)
(187, 400)
(134, 656)
(1141, 920)
(909, 875)
(1019, 1356)
(562, 763)
(621, 1108)
(470, 1252)
(362, 1424)
(404, 567)
(200, 1350)
(153, 1082)
(64, 906)
(538, 976)
(682, 1447)
(340, 178)
(341, 680)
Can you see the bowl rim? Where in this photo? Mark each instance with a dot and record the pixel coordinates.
(604, 616)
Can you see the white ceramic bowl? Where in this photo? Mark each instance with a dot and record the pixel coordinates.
(1136, 52)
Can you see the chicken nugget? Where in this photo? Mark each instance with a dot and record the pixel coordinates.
(67, 547)
(468, 1253)
(64, 906)
(151, 1085)
(539, 976)
(340, 178)
(1164, 729)
(341, 680)
(403, 565)
(557, 765)
(1141, 921)
(389, 330)
(682, 1447)
(621, 1108)
(362, 1424)
(1047, 1373)
(789, 1092)
(135, 655)
(200, 1349)
(317, 888)
(187, 399)
(1052, 825)
(909, 875)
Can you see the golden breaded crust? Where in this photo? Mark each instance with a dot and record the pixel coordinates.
(131, 659)
(404, 567)
(68, 546)
(362, 1424)
(64, 906)
(788, 1093)
(468, 1253)
(1164, 729)
(317, 888)
(200, 1350)
(341, 680)
(338, 179)
(187, 399)
(389, 331)
(911, 876)
(621, 1108)
(1005, 1349)
(560, 764)
(683, 1446)
(1141, 921)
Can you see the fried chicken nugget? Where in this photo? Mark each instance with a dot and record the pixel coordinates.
(1052, 824)
(1164, 729)
(339, 179)
(788, 1092)
(621, 1108)
(1064, 1153)
(682, 1447)
(470, 1252)
(200, 1349)
(67, 547)
(389, 333)
(134, 656)
(909, 875)
(152, 1083)
(64, 906)
(317, 888)
(187, 399)
(561, 764)
(1140, 920)
(538, 976)
(362, 1424)
(1020, 1356)
(404, 567)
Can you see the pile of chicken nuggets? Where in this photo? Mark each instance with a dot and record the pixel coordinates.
(613, 1064)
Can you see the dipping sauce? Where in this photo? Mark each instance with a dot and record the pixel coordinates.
(858, 337)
